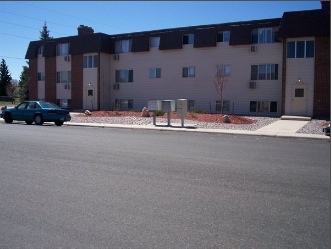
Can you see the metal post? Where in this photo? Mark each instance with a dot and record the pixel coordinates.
(154, 118)
(182, 121)
(168, 118)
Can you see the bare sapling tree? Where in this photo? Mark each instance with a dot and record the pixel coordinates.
(220, 80)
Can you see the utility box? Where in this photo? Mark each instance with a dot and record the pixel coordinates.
(154, 105)
(181, 107)
(168, 105)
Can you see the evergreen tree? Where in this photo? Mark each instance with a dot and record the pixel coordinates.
(5, 78)
(23, 92)
(45, 33)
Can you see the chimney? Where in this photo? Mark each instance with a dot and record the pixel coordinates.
(84, 30)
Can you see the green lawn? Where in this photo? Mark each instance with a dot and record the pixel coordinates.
(9, 103)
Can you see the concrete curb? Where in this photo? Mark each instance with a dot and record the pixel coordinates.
(212, 131)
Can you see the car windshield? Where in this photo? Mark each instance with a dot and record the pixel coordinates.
(48, 105)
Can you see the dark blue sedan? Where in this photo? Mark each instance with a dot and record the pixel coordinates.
(36, 111)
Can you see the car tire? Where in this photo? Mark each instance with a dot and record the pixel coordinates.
(58, 123)
(39, 120)
(8, 118)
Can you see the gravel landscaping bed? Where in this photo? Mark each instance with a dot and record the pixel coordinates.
(315, 126)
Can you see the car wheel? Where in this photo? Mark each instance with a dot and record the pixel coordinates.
(29, 122)
(39, 120)
(58, 123)
(8, 118)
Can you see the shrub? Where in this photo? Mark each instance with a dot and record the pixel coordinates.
(200, 111)
(160, 113)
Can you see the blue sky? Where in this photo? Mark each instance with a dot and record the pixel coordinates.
(21, 22)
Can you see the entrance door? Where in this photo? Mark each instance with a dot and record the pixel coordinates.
(299, 99)
(90, 98)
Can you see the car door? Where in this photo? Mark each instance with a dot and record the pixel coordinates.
(18, 111)
(29, 112)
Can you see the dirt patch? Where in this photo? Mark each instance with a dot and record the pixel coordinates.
(212, 118)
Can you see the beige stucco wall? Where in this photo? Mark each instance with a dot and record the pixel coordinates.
(201, 88)
(90, 76)
(63, 92)
(300, 68)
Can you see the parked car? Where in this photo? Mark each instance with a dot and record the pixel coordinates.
(36, 111)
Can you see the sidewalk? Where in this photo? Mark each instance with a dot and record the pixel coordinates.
(280, 128)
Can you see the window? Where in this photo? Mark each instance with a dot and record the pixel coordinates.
(63, 77)
(154, 41)
(155, 73)
(63, 103)
(188, 72)
(40, 50)
(299, 93)
(41, 76)
(227, 70)
(32, 105)
(124, 76)
(300, 49)
(124, 104)
(191, 105)
(223, 36)
(90, 92)
(123, 46)
(90, 61)
(264, 72)
(22, 106)
(263, 35)
(188, 39)
(263, 106)
(226, 105)
(62, 49)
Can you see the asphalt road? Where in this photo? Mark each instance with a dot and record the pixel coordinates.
(79, 187)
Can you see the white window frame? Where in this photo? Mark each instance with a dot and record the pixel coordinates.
(154, 42)
(226, 105)
(63, 77)
(188, 72)
(296, 49)
(123, 46)
(155, 73)
(41, 76)
(62, 49)
(40, 50)
(123, 76)
(226, 35)
(188, 39)
(124, 104)
(264, 35)
(268, 70)
(90, 61)
(263, 106)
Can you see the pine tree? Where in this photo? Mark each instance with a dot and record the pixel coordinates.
(45, 33)
(23, 84)
(5, 78)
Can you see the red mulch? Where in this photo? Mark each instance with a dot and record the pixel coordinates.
(213, 118)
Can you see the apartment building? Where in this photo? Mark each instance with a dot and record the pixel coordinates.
(272, 67)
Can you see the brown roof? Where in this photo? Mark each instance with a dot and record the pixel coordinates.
(292, 24)
(305, 23)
